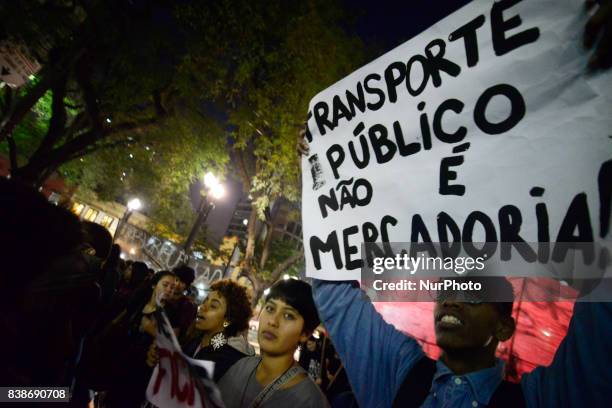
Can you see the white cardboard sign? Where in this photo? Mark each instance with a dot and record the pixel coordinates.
(488, 122)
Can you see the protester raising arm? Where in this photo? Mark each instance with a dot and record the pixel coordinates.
(376, 356)
(580, 374)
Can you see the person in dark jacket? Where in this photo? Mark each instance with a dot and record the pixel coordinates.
(310, 359)
(224, 314)
(130, 381)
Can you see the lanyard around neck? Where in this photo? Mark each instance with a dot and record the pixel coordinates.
(272, 387)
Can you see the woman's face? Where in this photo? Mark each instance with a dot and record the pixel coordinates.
(280, 328)
(164, 288)
(211, 313)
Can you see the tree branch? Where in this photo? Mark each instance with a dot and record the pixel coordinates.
(83, 76)
(265, 251)
(72, 106)
(75, 150)
(137, 126)
(249, 252)
(58, 120)
(286, 264)
(242, 168)
(268, 214)
(7, 101)
(78, 123)
(101, 146)
(50, 74)
(159, 107)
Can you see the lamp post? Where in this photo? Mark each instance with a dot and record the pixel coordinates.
(216, 190)
(133, 205)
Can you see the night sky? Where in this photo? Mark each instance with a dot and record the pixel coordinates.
(385, 24)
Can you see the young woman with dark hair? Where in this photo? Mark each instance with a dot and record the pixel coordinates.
(274, 379)
(224, 314)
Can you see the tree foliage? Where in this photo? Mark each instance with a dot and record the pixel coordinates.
(105, 109)
(275, 56)
(179, 86)
(116, 65)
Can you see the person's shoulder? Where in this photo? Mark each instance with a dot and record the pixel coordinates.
(233, 352)
(245, 363)
(238, 373)
(241, 345)
(309, 394)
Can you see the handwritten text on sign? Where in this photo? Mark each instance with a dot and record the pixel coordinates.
(484, 128)
(177, 380)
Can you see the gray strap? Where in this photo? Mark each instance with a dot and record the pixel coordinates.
(274, 385)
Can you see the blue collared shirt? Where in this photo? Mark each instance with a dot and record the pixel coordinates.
(469, 390)
(377, 358)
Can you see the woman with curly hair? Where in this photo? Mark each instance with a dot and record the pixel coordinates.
(224, 314)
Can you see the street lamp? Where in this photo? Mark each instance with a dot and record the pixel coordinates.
(216, 190)
(133, 205)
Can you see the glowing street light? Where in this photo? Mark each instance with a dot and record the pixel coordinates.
(133, 204)
(215, 190)
(210, 180)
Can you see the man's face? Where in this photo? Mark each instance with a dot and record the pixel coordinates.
(179, 289)
(461, 325)
(280, 328)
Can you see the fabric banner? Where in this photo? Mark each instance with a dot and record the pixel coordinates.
(486, 127)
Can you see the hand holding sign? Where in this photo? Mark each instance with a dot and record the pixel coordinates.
(148, 325)
(302, 144)
(152, 355)
(177, 380)
(484, 128)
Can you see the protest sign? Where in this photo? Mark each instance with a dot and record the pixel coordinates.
(486, 127)
(177, 380)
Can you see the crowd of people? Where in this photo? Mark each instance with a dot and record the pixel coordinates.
(76, 315)
(318, 357)
(79, 316)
